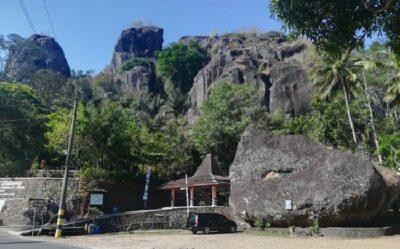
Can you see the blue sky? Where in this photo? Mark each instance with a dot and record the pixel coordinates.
(87, 30)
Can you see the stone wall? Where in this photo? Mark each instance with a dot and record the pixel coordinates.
(166, 218)
(15, 194)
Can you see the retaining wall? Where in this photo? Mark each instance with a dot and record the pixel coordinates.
(15, 194)
(166, 218)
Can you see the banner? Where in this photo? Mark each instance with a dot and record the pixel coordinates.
(146, 186)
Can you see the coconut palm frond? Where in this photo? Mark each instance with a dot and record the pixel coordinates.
(366, 64)
(351, 77)
(393, 93)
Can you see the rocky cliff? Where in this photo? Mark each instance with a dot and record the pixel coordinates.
(137, 42)
(35, 53)
(264, 59)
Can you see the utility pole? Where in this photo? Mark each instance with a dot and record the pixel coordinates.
(61, 209)
(187, 195)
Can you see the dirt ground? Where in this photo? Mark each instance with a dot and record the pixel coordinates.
(179, 239)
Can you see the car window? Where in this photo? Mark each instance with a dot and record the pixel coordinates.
(192, 218)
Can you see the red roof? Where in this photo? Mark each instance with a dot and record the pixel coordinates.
(208, 173)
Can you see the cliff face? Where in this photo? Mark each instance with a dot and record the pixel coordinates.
(137, 42)
(38, 52)
(262, 59)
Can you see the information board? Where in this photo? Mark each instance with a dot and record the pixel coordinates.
(96, 199)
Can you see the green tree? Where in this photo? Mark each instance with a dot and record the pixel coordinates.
(392, 65)
(332, 76)
(105, 136)
(58, 125)
(169, 150)
(22, 117)
(7, 44)
(180, 63)
(338, 26)
(366, 67)
(390, 149)
(131, 63)
(103, 85)
(48, 85)
(225, 115)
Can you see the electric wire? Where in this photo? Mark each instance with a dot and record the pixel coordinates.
(51, 22)
(23, 6)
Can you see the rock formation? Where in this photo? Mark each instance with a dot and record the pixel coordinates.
(36, 53)
(263, 59)
(136, 42)
(139, 78)
(338, 188)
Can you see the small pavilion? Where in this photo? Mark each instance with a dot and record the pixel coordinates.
(208, 184)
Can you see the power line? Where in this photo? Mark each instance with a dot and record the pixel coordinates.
(51, 22)
(23, 6)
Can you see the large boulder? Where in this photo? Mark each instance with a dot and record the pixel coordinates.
(141, 41)
(338, 188)
(38, 52)
(263, 59)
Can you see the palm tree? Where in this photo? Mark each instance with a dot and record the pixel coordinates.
(333, 76)
(393, 67)
(368, 66)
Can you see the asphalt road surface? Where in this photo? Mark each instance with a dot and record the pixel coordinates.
(9, 241)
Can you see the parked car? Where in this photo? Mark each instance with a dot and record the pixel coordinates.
(207, 222)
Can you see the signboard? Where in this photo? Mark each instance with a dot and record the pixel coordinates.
(146, 186)
(2, 201)
(10, 188)
(37, 203)
(288, 205)
(96, 200)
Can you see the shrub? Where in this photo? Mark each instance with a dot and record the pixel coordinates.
(131, 63)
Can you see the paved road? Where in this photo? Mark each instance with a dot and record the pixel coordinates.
(8, 241)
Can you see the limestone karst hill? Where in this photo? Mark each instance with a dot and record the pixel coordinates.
(275, 65)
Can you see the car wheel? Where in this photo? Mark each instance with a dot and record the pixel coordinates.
(194, 231)
(232, 229)
(206, 230)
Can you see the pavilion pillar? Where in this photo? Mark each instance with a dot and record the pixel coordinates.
(214, 195)
(191, 196)
(172, 197)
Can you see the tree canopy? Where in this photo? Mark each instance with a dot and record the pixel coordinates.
(180, 63)
(337, 26)
(22, 118)
(225, 115)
